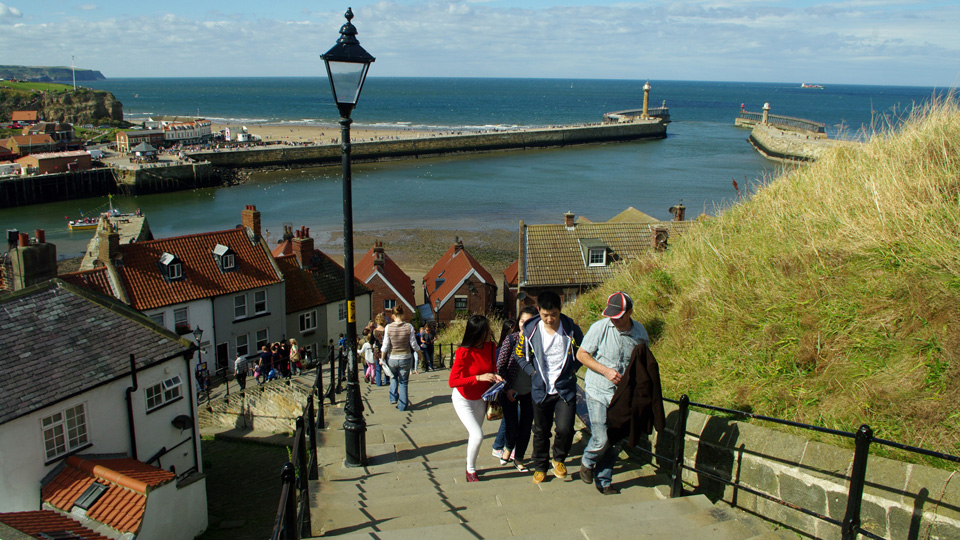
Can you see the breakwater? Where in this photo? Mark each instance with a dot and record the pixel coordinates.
(790, 146)
(162, 179)
(330, 154)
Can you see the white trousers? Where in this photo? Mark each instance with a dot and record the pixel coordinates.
(471, 413)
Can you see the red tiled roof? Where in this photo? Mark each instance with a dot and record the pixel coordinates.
(302, 291)
(47, 521)
(24, 116)
(28, 140)
(283, 248)
(392, 274)
(128, 481)
(97, 280)
(454, 266)
(511, 273)
(146, 288)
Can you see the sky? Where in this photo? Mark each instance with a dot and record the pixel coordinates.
(890, 42)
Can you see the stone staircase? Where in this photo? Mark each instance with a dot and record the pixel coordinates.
(414, 487)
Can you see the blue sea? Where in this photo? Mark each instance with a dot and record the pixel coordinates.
(696, 163)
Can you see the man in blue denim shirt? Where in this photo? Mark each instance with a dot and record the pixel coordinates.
(606, 352)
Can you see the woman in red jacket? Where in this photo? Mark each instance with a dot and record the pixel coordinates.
(472, 374)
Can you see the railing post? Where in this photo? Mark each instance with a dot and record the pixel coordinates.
(303, 484)
(333, 378)
(851, 519)
(288, 529)
(321, 421)
(312, 433)
(680, 432)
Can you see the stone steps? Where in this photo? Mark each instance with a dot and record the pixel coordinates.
(414, 488)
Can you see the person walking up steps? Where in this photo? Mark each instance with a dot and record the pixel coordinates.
(472, 374)
(399, 349)
(606, 351)
(546, 351)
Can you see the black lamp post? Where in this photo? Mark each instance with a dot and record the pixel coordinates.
(347, 65)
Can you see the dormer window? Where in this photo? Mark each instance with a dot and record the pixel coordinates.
(171, 268)
(598, 257)
(594, 251)
(225, 257)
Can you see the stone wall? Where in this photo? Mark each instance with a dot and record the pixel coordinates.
(330, 154)
(790, 146)
(271, 407)
(901, 500)
(162, 179)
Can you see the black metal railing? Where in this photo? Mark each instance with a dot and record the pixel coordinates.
(293, 513)
(863, 438)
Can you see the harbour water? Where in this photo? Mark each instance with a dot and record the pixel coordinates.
(697, 162)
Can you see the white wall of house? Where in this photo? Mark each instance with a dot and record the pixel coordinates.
(333, 325)
(23, 461)
(314, 338)
(228, 327)
(199, 313)
(174, 512)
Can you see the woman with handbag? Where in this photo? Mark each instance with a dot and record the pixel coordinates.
(472, 374)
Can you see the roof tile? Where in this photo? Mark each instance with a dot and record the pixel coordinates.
(46, 521)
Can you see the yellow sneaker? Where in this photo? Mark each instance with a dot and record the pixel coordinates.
(559, 469)
(539, 476)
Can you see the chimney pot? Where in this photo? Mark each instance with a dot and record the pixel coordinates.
(40, 235)
(24, 240)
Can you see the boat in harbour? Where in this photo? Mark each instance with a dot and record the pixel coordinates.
(88, 223)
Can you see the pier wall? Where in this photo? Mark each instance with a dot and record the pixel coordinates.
(789, 146)
(330, 154)
(24, 190)
(163, 179)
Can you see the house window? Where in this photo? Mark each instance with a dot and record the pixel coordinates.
(598, 257)
(260, 302)
(342, 311)
(64, 431)
(157, 318)
(460, 303)
(164, 392)
(171, 268)
(262, 338)
(180, 322)
(308, 321)
(389, 304)
(239, 306)
(243, 346)
(225, 258)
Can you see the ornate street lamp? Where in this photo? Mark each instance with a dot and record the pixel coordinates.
(347, 65)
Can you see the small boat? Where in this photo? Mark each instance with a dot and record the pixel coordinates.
(83, 223)
(817, 86)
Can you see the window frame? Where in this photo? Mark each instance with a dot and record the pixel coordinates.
(256, 308)
(165, 392)
(389, 303)
(265, 340)
(342, 311)
(600, 251)
(162, 317)
(237, 306)
(308, 321)
(59, 428)
(246, 344)
(456, 303)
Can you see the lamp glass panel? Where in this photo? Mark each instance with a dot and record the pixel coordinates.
(347, 79)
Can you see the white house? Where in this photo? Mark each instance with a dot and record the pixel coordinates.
(196, 131)
(87, 375)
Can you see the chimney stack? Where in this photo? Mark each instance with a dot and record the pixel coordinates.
(303, 247)
(659, 238)
(378, 254)
(251, 220)
(108, 244)
(458, 246)
(679, 211)
(32, 263)
(568, 221)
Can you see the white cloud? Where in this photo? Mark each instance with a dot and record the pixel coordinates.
(87, 7)
(766, 41)
(9, 12)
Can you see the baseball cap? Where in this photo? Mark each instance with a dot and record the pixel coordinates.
(618, 304)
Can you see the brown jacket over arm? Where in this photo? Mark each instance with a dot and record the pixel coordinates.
(637, 404)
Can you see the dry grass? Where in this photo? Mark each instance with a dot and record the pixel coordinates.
(830, 297)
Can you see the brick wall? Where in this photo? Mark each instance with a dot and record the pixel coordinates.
(482, 300)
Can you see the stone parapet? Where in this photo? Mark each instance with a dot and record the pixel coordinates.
(900, 500)
(790, 146)
(271, 407)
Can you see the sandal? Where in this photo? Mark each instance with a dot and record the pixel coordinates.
(520, 466)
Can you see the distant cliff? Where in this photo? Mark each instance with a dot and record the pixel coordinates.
(48, 74)
(84, 106)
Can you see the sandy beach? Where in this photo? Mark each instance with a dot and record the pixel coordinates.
(296, 133)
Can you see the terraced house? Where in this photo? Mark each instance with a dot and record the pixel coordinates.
(225, 283)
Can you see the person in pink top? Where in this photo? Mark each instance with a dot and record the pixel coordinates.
(473, 372)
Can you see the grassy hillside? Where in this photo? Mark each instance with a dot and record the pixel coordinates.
(58, 73)
(831, 297)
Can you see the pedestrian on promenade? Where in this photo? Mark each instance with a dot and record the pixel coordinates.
(508, 327)
(264, 363)
(427, 337)
(399, 349)
(378, 332)
(515, 398)
(240, 370)
(472, 373)
(296, 357)
(546, 351)
(606, 350)
(366, 351)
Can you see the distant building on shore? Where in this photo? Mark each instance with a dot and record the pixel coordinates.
(129, 139)
(24, 145)
(196, 131)
(56, 162)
